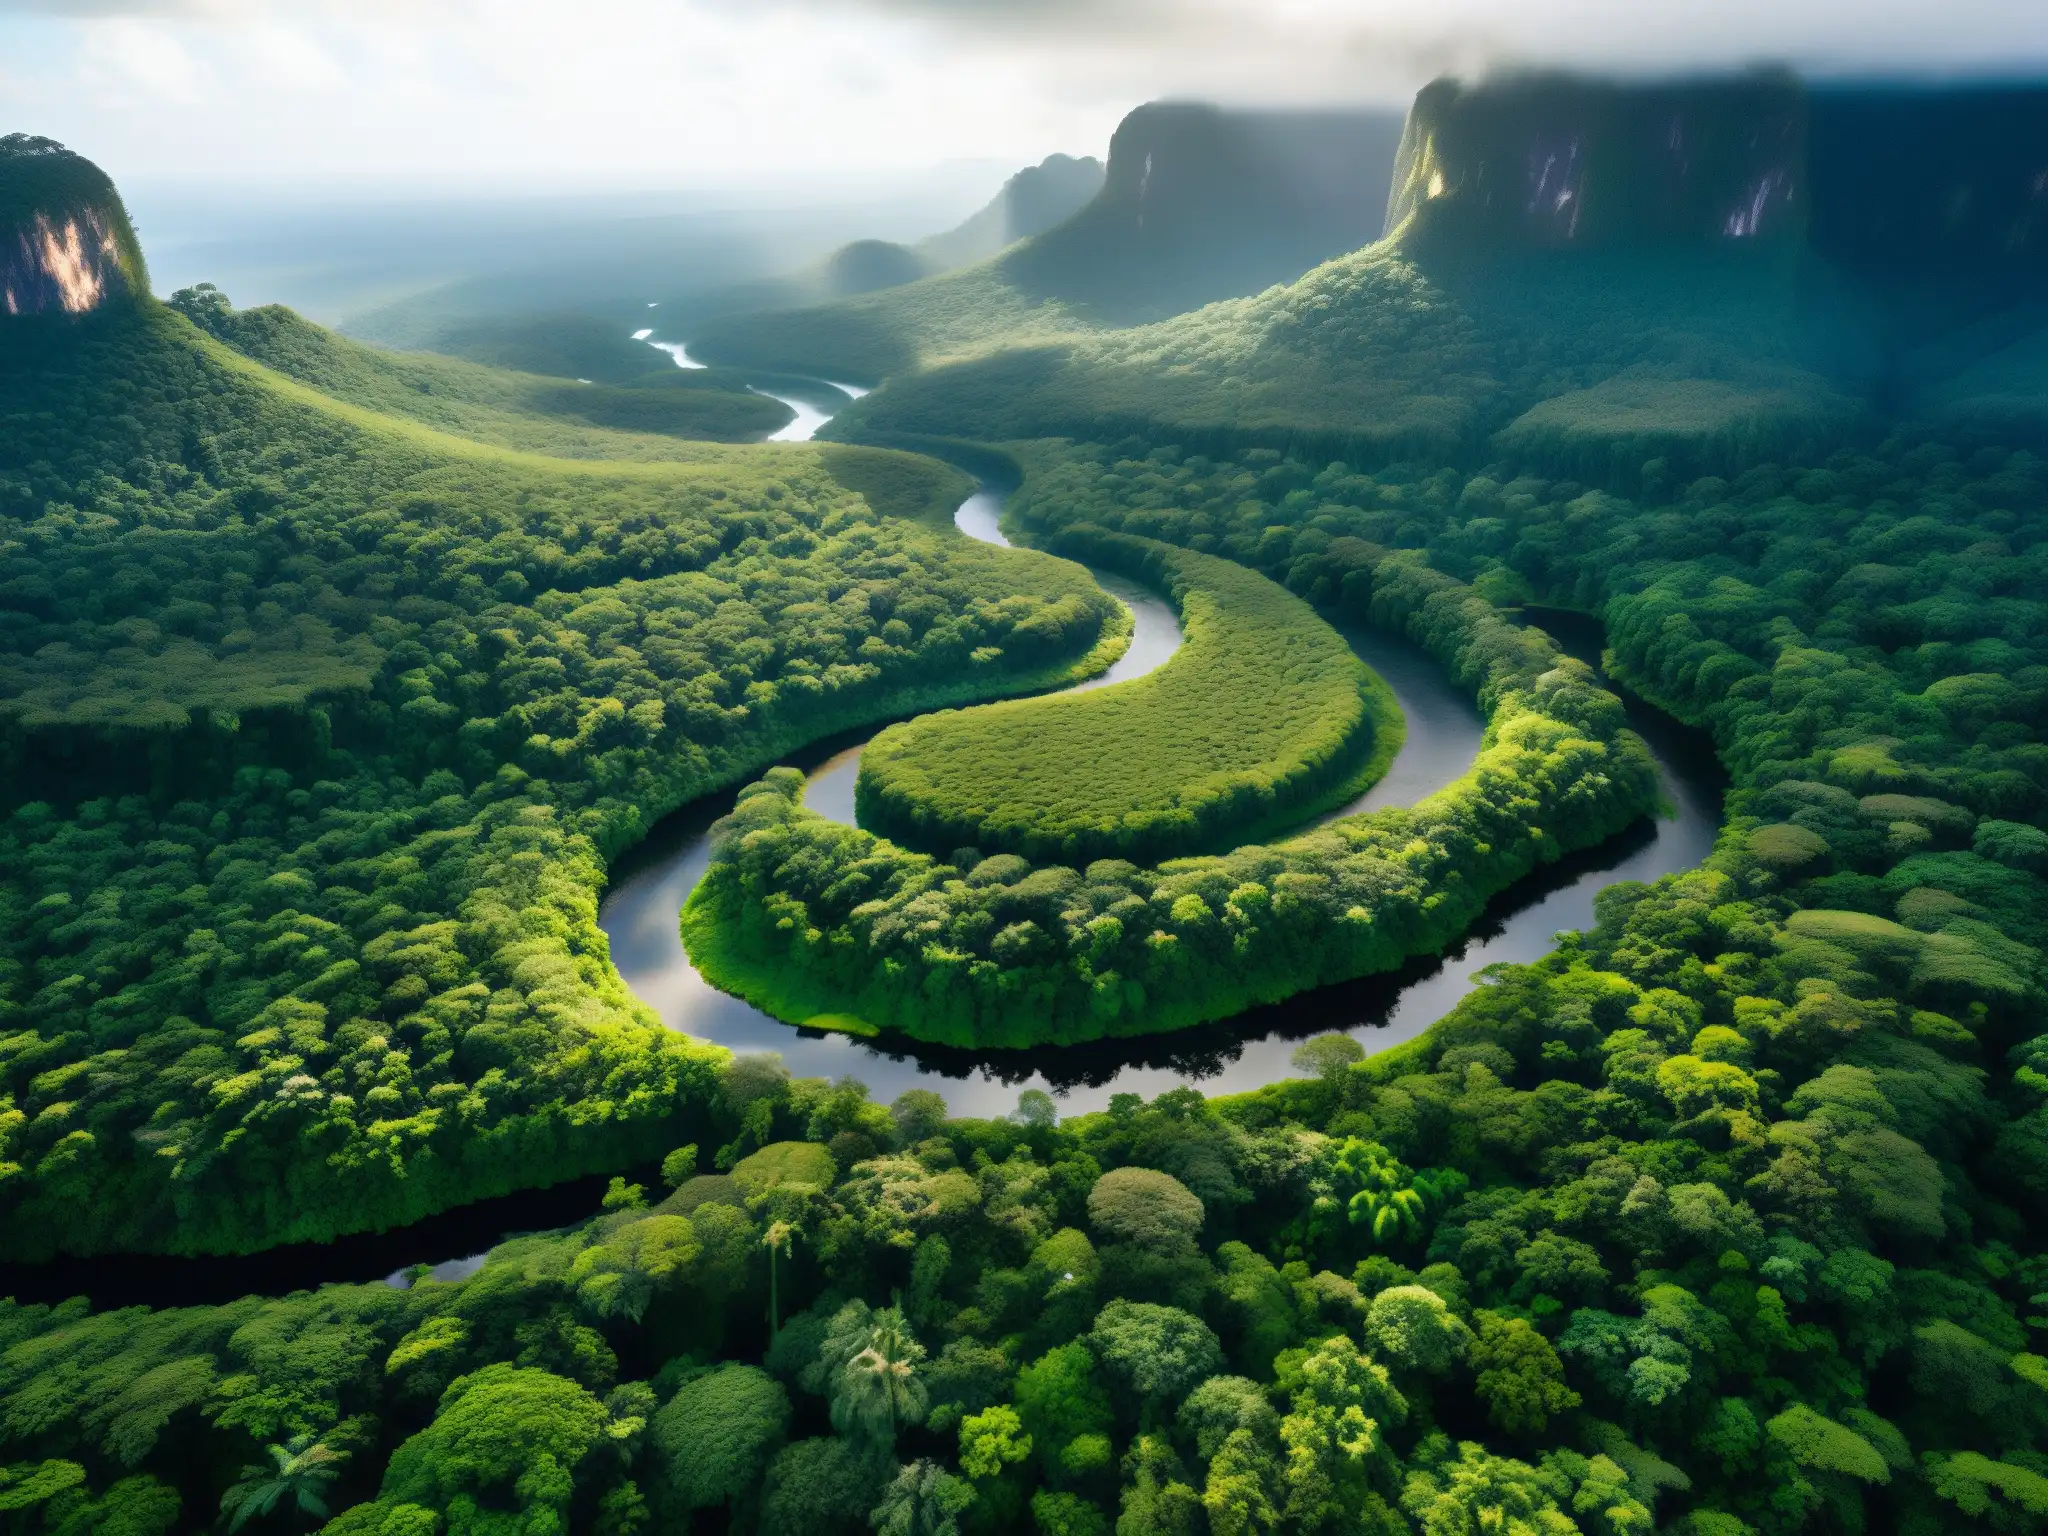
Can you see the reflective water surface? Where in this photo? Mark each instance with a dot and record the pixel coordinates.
(639, 914)
(1155, 635)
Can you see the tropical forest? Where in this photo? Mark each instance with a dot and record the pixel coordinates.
(1335, 824)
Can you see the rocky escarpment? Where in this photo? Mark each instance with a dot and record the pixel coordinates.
(1870, 178)
(1030, 202)
(66, 246)
(1904, 231)
(1200, 202)
(1555, 162)
(1949, 180)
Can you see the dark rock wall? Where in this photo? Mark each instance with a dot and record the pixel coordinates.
(66, 246)
(1181, 171)
(1559, 163)
(63, 262)
(1875, 178)
(1201, 202)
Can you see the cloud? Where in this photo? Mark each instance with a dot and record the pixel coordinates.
(695, 92)
(89, 9)
(128, 59)
(1317, 46)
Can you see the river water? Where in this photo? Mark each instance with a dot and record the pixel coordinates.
(639, 914)
(639, 911)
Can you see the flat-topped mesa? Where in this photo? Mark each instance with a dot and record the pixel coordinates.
(66, 246)
(1555, 162)
(1200, 202)
(1873, 178)
(1182, 168)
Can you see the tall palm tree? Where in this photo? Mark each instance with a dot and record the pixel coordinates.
(300, 1471)
(879, 1388)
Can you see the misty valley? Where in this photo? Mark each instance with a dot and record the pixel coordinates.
(1335, 825)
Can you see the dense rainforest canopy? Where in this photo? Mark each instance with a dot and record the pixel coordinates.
(318, 731)
(808, 918)
(1262, 717)
(541, 414)
(1721, 1218)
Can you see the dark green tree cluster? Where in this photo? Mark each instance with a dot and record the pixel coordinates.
(1696, 1224)
(318, 732)
(806, 917)
(1262, 717)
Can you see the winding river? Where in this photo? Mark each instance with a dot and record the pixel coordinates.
(639, 911)
(639, 914)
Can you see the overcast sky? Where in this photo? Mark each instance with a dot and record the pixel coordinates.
(700, 92)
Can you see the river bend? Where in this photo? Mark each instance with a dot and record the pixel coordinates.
(640, 915)
(640, 911)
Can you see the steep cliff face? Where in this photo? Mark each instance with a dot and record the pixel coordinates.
(1030, 202)
(1555, 163)
(1907, 227)
(1873, 179)
(66, 246)
(1199, 202)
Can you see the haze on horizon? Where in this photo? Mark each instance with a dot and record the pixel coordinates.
(500, 95)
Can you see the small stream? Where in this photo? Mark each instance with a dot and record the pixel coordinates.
(640, 910)
(813, 407)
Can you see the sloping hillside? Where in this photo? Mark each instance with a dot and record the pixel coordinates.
(570, 417)
(333, 719)
(1199, 203)
(1598, 276)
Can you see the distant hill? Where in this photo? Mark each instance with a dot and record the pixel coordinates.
(1689, 273)
(1204, 202)
(536, 338)
(568, 416)
(1031, 202)
(1198, 203)
(1034, 200)
(66, 246)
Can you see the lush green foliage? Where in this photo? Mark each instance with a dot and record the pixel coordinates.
(1408, 351)
(873, 336)
(1262, 717)
(511, 410)
(1732, 1203)
(319, 729)
(1706, 1237)
(560, 346)
(1721, 1219)
(806, 917)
